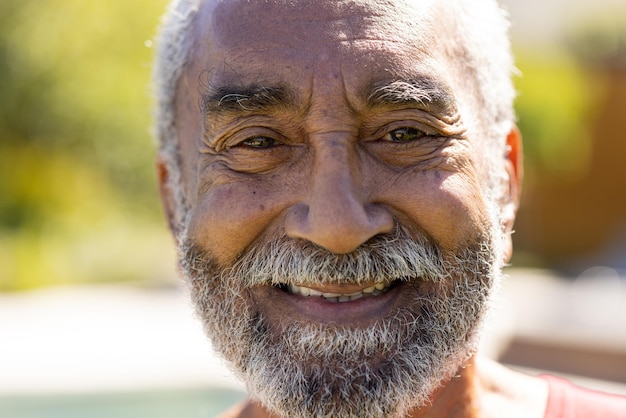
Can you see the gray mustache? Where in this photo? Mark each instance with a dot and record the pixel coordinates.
(384, 258)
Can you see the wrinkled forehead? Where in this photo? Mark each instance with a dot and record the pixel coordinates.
(238, 23)
(239, 30)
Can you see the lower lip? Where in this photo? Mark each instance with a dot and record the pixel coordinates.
(317, 309)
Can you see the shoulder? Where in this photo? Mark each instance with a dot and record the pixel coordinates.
(503, 389)
(236, 411)
(233, 412)
(247, 409)
(566, 400)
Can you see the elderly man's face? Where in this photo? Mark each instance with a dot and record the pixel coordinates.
(340, 241)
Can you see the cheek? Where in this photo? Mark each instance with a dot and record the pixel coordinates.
(467, 201)
(228, 218)
(447, 206)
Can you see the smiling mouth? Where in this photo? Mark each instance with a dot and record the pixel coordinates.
(337, 294)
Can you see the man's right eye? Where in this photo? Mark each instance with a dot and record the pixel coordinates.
(259, 142)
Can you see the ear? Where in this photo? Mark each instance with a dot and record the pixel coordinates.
(167, 194)
(514, 169)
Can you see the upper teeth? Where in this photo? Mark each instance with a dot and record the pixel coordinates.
(373, 290)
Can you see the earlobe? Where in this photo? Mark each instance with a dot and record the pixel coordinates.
(166, 193)
(514, 169)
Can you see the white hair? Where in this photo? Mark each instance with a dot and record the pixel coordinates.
(481, 50)
(174, 45)
(482, 44)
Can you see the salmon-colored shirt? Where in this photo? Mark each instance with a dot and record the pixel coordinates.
(566, 400)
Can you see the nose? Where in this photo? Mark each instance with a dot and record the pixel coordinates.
(336, 213)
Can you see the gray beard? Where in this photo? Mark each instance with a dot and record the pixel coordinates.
(325, 370)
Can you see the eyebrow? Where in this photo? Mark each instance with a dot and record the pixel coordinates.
(233, 100)
(426, 94)
(236, 100)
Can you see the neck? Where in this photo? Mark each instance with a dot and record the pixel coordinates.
(456, 398)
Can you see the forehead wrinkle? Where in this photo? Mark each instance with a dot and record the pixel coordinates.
(329, 96)
(345, 90)
(354, 40)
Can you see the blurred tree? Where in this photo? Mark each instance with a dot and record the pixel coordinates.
(554, 108)
(571, 110)
(75, 150)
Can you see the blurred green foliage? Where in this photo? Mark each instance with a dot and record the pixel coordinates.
(77, 195)
(555, 108)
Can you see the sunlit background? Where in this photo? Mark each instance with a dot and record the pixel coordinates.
(77, 195)
(89, 300)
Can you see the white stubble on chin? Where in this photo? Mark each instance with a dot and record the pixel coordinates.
(313, 370)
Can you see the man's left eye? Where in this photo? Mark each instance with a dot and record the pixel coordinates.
(405, 134)
(259, 142)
